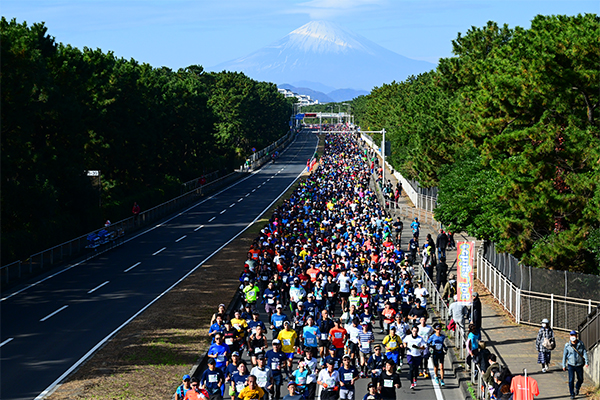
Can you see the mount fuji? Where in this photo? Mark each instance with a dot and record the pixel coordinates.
(328, 55)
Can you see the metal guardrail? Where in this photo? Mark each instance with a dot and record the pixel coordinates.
(589, 330)
(76, 247)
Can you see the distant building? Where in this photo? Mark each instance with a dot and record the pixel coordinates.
(303, 99)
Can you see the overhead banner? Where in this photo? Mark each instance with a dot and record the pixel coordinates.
(464, 283)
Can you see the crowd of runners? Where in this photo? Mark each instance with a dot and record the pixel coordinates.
(328, 271)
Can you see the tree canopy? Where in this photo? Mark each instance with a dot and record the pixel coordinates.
(509, 130)
(66, 110)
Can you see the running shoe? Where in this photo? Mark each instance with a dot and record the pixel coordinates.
(420, 374)
(412, 385)
(442, 382)
(415, 383)
(436, 380)
(426, 374)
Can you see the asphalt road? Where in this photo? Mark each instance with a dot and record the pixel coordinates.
(50, 328)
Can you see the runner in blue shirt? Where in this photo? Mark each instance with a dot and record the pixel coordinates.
(212, 379)
(348, 375)
(436, 343)
(311, 335)
(277, 320)
(219, 352)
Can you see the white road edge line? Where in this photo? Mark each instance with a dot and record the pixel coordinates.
(200, 227)
(98, 287)
(181, 238)
(436, 387)
(133, 266)
(54, 313)
(110, 335)
(6, 341)
(212, 219)
(155, 253)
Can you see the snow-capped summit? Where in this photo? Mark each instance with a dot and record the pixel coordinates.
(323, 36)
(323, 52)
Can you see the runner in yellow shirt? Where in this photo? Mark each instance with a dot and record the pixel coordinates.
(252, 391)
(288, 337)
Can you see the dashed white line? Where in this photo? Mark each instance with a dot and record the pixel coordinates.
(212, 219)
(241, 198)
(181, 238)
(132, 267)
(268, 180)
(97, 287)
(254, 190)
(200, 227)
(6, 341)
(155, 253)
(232, 204)
(247, 194)
(223, 211)
(54, 313)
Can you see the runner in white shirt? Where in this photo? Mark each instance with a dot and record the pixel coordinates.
(329, 380)
(425, 331)
(414, 347)
(421, 293)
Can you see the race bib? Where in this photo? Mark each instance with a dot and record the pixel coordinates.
(221, 358)
(261, 381)
(274, 364)
(323, 336)
(348, 376)
(393, 344)
(237, 326)
(365, 345)
(337, 335)
(239, 386)
(319, 297)
(392, 299)
(271, 301)
(301, 380)
(330, 382)
(229, 341)
(278, 324)
(286, 342)
(373, 290)
(212, 378)
(438, 346)
(388, 383)
(310, 340)
(331, 294)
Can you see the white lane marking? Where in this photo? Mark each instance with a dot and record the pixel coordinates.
(110, 335)
(6, 341)
(272, 176)
(54, 313)
(181, 238)
(247, 194)
(136, 236)
(132, 267)
(253, 190)
(233, 204)
(155, 253)
(223, 211)
(268, 179)
(436, 386)
(241, 198)
(200, 227)
(97, 287)
(212, 219)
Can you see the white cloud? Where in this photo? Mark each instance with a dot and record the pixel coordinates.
(326, 9)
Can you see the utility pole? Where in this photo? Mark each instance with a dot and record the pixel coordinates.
(383, 158)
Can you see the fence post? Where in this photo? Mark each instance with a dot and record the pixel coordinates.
(551, 309)
(589, 306)
(518, 310)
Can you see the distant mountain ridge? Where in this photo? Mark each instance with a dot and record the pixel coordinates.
(333, 96)
(328, 55)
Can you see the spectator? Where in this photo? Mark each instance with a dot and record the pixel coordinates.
(575, 356)
(545, 343)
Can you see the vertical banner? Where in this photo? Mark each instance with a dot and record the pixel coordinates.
(464, 282)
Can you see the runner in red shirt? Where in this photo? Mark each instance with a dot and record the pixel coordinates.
(337, 337)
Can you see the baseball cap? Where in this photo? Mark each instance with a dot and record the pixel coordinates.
(286, 322)
(332, 347)
(346, 356)
(573, 332)
(276, 341)
(291, 383)
(279, 306)
(475, 294)
(186, 377)
(211, 361)
(235, 353)
(330, 362)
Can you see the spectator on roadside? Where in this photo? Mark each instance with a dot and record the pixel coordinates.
(135, 211)
(476, 315)
(449, 289)
(544, 344)
(441, 242)
(575, 356)
(441, 273)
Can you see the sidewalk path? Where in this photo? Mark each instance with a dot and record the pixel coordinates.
(513, 344)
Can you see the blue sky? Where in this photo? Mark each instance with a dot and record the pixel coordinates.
(178, 33)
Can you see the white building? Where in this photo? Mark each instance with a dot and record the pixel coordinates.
(303, 99)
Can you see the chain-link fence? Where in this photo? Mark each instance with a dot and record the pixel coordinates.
(530, 307)
(559, 283)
